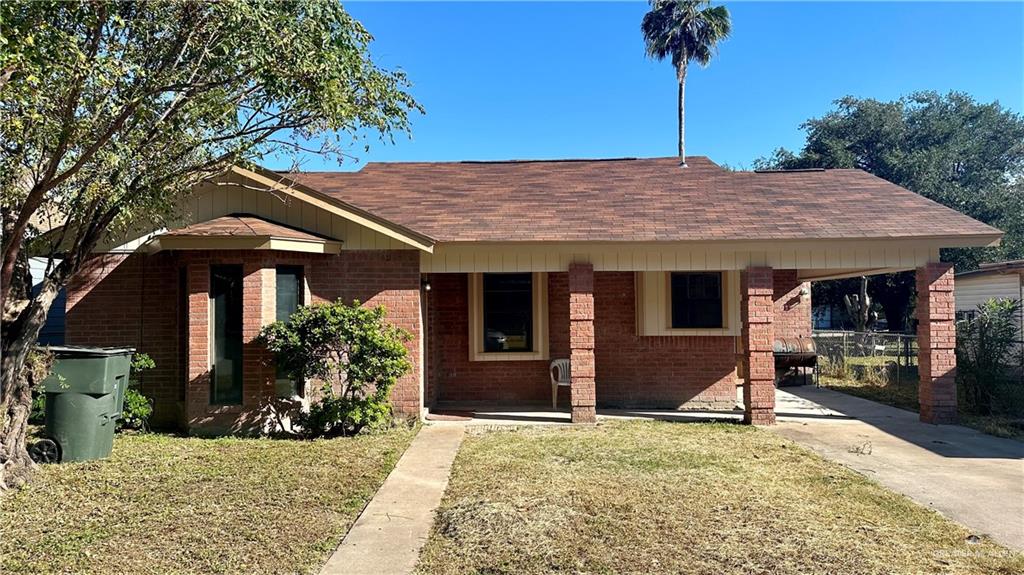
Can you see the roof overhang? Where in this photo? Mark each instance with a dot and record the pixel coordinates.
(282, 184)
(205, 242)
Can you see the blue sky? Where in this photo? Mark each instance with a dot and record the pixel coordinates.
(570, 80)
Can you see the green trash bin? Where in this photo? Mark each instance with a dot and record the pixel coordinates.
(84, 398)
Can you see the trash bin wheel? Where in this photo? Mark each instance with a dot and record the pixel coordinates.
(45, 451)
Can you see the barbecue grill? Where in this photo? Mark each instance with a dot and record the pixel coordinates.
(795, 355)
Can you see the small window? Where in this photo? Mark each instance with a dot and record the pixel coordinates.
(696, 300)
(226, 299)
(290, 293)
(508, 312)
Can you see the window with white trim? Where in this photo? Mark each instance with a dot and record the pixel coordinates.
(508, 316)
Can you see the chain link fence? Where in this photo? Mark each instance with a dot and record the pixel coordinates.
(886, 357)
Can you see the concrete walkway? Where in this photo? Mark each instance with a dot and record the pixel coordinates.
(388, 536)
(972, 478)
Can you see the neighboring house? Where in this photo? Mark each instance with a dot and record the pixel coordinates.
(1000, 280)
(829, 316)
(52, 332)
(664, 286)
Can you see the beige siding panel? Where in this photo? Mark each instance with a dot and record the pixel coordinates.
(462, 258)
(974, 290)
(653, 306)
(212, 201)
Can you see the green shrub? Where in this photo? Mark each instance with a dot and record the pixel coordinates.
(986, 351)
(136, 411)
(353, 353)
(37, 415)
(137, 407)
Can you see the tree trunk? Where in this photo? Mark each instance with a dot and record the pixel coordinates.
(895, 312)
(682, 115)
(19, 337)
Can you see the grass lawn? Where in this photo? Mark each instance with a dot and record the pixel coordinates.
(166, 504)
(904, 396)
(656, 497)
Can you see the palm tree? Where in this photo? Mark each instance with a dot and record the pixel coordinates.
(684, 30)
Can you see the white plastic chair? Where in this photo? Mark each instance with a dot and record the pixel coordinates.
(560, 376)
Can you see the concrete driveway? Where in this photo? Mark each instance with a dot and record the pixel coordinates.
(972, 478)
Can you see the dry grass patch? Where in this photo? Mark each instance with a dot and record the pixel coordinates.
(648, 497)
(165, 504)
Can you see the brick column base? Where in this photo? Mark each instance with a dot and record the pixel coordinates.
(581, 343)
(757, 312)
(936, 339)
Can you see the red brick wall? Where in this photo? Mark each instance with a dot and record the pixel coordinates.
(390, 278)
(792, 311)
(581, 342)
(655, 371)
(132, 300)
(936, 338)
(631, 371)
(757, 312)
(453, 377)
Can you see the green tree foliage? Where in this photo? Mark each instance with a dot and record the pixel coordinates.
(949, 148)
(355, 355)
(684, 31)
(987, 354)
(110, 112)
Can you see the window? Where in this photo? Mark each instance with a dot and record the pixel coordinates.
(290, 293)
(226, 304)
(508, 316)
(508, 312)
(696, 300)
(966, 315)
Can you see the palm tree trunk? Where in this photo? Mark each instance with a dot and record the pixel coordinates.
(682, 115)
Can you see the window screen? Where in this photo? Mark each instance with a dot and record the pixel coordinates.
(508, 312)
(696, 300)
(290, 293)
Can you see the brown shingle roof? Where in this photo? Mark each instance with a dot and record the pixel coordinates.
(636, 200)
(243, 225)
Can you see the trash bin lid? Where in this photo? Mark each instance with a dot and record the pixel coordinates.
(87, 351)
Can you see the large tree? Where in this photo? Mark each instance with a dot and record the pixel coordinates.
(949, 148)
(684, 31)
(110, 112)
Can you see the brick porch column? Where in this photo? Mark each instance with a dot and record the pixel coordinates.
(936, 340)
(581, 342)
(757, 311)
(197, 344)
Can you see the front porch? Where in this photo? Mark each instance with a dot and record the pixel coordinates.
(626, 364)
(791, 405)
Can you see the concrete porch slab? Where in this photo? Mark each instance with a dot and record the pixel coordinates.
(788, 406)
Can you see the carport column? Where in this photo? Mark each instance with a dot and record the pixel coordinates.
(757, 312)
(581, 342)
(936, 342)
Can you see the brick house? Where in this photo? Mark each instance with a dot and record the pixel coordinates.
(664, 286)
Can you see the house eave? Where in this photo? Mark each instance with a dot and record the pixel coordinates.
(195, 242)
(280, 183)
